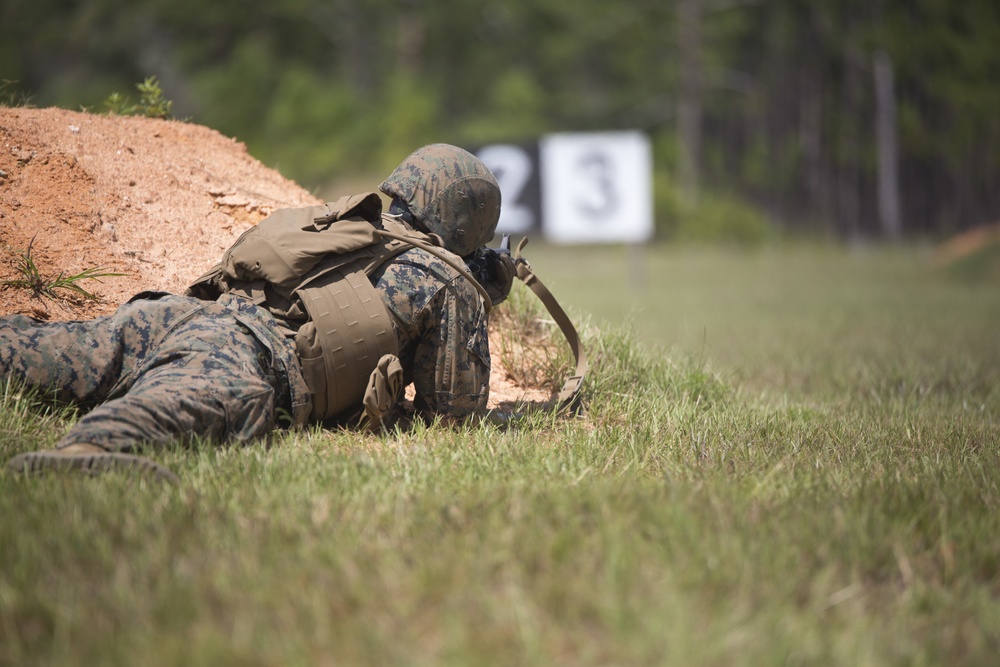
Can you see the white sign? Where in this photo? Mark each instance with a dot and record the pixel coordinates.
(597, 187)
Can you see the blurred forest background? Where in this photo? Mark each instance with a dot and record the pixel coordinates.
(851, 119)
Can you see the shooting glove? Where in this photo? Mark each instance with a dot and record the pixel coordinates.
(498, 287)
(382, 392)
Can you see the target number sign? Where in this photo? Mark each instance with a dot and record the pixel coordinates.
(516, 169)
(578, 188)
(597, 187)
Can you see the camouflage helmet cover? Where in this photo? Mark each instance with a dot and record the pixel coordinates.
(451, 192)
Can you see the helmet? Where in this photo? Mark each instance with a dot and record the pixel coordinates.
(451, 193)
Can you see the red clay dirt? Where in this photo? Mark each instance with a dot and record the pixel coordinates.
(156, 200)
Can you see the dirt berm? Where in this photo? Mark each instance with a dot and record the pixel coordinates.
(156, 200)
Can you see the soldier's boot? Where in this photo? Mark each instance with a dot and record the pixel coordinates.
(89, 459)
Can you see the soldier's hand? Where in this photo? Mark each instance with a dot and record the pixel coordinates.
(503, 276)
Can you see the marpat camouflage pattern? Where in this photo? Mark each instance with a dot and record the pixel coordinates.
(166, 368)
(451, 193)
(442, 333)
(161, 369)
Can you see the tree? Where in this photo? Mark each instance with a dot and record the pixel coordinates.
(890, 214)
(689, 105)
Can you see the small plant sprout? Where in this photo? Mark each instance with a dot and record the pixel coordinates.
(152, 102)
(46, 285)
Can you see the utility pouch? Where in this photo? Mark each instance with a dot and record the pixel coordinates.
(348, 332)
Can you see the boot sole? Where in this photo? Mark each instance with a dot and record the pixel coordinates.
(92, 464)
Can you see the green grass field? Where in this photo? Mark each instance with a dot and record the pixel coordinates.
(791, 457)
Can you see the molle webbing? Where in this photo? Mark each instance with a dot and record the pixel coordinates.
(309, 267)
(348, 331)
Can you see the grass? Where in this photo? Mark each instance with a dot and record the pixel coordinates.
(833, 325)
(54, 287)
(794, 460)
(10, 96)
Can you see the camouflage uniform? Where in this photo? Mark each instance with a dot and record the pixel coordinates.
(441, 327)
(161, 368)
(168, 368)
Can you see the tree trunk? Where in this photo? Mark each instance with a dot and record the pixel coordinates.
(889, 209)
(850, 147)
(817, 200)
(689, 107)
(411, 35)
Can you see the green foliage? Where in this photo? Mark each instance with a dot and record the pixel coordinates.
(305, 127)
(410, 118)
(716, 218)
(721, 217)
(119, 105)
(46, 285)
(152, 102)
(516, 110)
(246, 77)
(786, 86)
(321, 131)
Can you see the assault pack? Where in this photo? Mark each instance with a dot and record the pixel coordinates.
(309, 267)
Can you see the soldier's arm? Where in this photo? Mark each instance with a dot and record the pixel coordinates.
(451, 369)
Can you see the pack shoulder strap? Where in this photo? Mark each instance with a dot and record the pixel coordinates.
(569, 397)
(438, 252)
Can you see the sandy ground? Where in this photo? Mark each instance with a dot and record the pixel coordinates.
(156, 200)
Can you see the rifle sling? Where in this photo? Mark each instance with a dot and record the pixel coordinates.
(569, 396)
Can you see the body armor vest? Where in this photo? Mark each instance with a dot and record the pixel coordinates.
(310, 268)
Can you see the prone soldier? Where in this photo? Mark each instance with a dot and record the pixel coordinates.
(316, 314)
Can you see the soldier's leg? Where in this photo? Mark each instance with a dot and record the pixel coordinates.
(53, 356)
(210, 379)
(82, 361)
(194, 371)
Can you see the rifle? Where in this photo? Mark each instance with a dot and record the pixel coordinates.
(483, 268)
